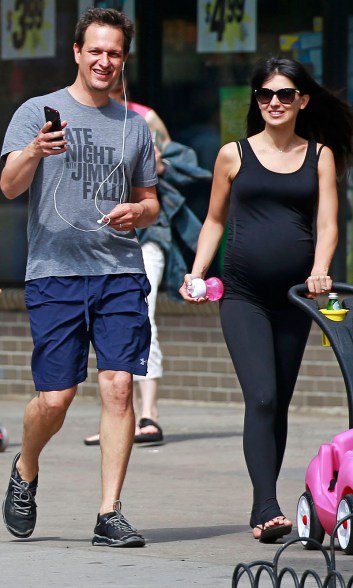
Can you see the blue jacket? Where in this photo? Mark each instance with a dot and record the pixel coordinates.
(177, 226)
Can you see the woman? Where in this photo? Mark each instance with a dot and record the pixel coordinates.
(271, 187)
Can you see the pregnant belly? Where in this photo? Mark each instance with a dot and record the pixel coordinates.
(270, 262)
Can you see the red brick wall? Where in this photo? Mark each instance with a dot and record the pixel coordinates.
(196, 361)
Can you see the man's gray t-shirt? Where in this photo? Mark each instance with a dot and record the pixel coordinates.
(70, 185)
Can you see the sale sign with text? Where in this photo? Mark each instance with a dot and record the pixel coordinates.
(225, 26)
(27, 29)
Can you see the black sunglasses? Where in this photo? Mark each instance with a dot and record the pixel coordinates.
(284, 95)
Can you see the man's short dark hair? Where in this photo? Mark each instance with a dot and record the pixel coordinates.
(104, 17)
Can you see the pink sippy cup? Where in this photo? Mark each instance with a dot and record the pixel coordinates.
(212, 287)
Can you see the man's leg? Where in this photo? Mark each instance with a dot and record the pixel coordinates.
(116, 433)
(43, 418)
(121, 335)
(116, 439)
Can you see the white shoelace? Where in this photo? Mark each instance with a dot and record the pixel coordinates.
(120, 522)
(22, 497)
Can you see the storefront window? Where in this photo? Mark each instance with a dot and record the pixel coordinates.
(203, 95)
(21, 79)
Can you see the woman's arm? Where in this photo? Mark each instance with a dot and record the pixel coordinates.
(326, 224)
(226, 167)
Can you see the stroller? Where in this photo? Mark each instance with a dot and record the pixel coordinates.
(328, 497)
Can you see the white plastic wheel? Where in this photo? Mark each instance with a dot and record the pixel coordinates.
(345, 531)
(308, 522)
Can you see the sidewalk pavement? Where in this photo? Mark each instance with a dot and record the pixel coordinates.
(190, 498)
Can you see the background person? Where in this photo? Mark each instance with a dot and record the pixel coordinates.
(85, 278)
(147, 428)
(162, 253)
(271, 186)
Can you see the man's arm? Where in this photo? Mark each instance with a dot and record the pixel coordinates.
(140, 213)
(148, 200)
(20, 166)
(18, 173)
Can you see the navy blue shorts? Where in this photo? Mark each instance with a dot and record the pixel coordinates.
(68, 313)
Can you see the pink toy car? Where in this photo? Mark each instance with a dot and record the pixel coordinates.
(329, 494)
(329, 477)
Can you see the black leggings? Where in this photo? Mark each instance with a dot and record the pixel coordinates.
(266, 347)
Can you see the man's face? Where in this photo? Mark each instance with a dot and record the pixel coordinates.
(101, 57)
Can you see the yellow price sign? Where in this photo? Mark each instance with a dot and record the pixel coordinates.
(28, 28)
(226, 25)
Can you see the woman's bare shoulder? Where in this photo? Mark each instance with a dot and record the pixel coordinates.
(229, 159)
(229, 149)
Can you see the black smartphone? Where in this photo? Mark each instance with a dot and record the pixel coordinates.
(53, 116)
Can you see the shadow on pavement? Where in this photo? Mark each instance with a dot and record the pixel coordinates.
(181, 437)
(168, 535)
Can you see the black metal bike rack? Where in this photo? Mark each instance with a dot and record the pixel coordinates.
(270, 571)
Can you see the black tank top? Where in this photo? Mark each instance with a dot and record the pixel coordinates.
(270, 244)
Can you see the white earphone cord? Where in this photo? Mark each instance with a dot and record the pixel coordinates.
(105, 224)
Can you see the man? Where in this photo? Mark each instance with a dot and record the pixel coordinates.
(90, 186)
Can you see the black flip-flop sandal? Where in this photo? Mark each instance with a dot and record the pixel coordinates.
(149, 437)
(271, 534)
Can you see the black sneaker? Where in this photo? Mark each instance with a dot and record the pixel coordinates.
(19, 508)
(114, 530)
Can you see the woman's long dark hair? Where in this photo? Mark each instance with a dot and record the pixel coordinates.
(327, 118)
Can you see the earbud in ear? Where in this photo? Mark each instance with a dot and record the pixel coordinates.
(122, 69)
